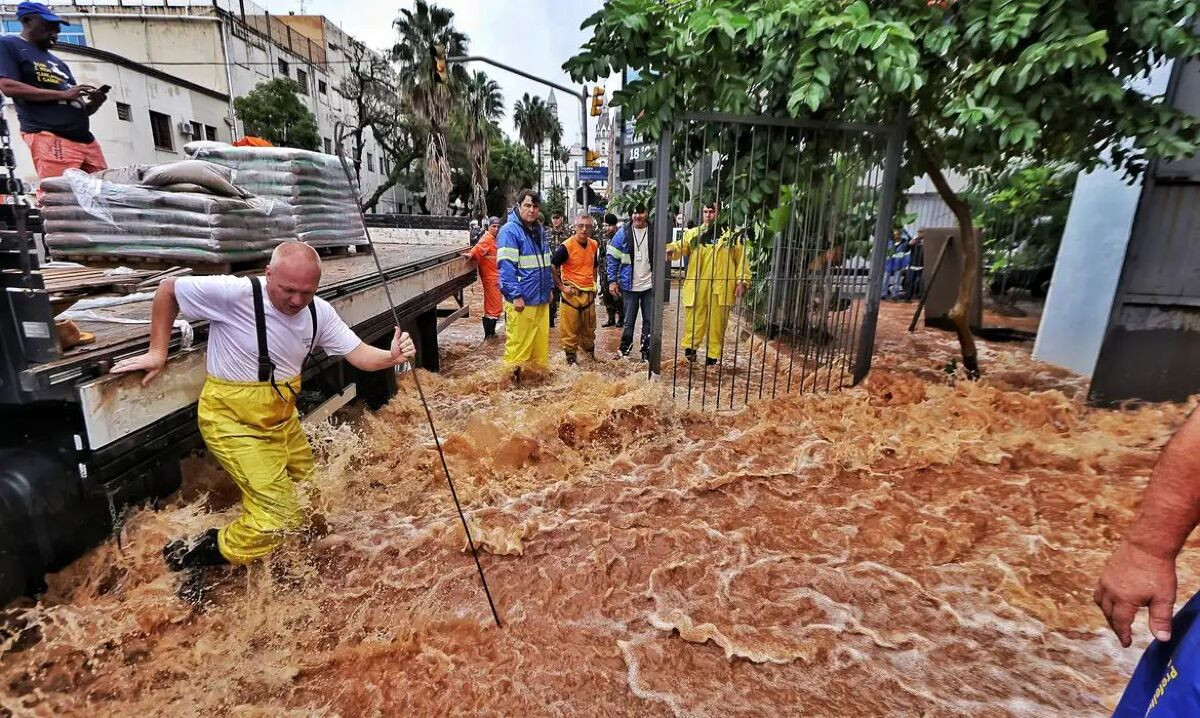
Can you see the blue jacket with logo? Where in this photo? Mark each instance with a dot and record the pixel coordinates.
(523, 257)
(619, 256)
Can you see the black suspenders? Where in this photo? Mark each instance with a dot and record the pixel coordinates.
(266, 367)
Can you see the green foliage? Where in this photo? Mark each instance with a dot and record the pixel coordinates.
(555, 201)
(273, 111)
(624, 201)
(510, 169)
(1022, 214)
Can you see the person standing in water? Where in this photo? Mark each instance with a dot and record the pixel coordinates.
(247, 409)
(483, 254)
(613, 305)
(1141, 572)
(574, 265)
(523, 257)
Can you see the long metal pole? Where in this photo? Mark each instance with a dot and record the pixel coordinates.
(883, 228)
(420, 392)
(662, 233)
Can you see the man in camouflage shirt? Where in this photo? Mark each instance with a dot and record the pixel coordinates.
(612, 305)
(557, 233)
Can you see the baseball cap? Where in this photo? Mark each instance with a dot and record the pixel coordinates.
(37, 8)
(493, 220)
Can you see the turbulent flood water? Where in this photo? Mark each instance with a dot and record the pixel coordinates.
(916, 546)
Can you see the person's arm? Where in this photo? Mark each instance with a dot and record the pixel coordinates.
(368, 358)
(613, 257)
(18, 90)
(1141, 572)
(507, 256)
(162, 319)
(557, 260)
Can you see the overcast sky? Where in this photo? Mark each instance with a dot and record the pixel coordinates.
(536, 36)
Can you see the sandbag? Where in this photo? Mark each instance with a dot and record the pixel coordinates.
(191, 148)
(215, 178)
(166, 252)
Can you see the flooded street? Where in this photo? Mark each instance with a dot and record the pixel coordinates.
(915, 546)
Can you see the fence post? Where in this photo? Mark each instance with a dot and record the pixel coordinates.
(883, 233)
(664, 222)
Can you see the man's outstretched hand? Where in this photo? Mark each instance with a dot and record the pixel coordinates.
(1133, 578)
(151, 362)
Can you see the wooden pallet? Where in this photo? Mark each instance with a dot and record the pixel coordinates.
(155, 264)
(343, 251)
(90, 280)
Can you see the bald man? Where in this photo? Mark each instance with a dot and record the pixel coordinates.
(247, 411)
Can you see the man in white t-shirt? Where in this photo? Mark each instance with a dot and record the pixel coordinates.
(630, 264)
(260, 333)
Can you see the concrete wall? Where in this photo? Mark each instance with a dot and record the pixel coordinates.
(131, 142)
(1089, 263)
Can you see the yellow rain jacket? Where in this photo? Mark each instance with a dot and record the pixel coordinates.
(717, 262)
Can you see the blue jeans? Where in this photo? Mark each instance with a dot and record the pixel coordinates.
(634, 300)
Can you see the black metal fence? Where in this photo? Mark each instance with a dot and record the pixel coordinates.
(776, 235)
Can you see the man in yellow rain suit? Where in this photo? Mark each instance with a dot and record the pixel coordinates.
(718, 272)
(523, 258)
(574, 266)
(247, 409)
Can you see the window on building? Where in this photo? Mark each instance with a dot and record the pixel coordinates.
(160, 127)
(69, 33)
(283, 67)
(328, 146)
(302, 81)
(124, 112)
(197, 130)
(210, 133)
(370, 162)
(383, 165)
(322, 87)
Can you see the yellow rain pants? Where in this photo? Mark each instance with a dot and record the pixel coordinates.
(257, 438)
(527, 335)
(704, 323)
(578, 326)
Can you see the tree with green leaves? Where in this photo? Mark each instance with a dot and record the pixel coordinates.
(273, 111)
(421, 33)
(533, 122)
(985, 84)
(482, 107)
(510, 169)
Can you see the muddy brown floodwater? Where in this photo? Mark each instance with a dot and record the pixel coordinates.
(916, 546)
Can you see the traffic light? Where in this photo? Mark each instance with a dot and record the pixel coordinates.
(440, 74)
(592, 159)
(597, 101)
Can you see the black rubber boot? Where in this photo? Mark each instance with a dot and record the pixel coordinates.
(571, 360)
(689, 354)
(204, 552)
(489, 328)
(709, 361)
(645, 355)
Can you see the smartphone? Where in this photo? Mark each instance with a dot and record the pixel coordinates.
(104, 89)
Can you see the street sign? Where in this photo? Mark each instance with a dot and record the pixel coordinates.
(597, 210)
(593, 174)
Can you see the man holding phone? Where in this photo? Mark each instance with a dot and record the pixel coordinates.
(54, 111)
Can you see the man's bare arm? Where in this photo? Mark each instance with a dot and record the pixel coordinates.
(18, 90)
(1141, 572)
(163, 312)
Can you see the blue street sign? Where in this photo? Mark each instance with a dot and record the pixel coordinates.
(597, 210)
(593, 174)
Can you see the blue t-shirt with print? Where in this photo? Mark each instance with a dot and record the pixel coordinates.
(25, 62)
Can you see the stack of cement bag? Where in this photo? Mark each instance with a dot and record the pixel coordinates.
(180, 211)
(314, 184)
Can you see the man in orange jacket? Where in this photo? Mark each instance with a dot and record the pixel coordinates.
(484, 256)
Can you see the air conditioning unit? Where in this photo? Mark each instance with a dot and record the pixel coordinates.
(185, 128)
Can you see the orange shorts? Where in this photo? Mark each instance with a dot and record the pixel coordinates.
(53, 155)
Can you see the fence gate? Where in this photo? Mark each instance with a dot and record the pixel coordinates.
(772, 236)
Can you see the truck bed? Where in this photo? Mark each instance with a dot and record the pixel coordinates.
(340, 276)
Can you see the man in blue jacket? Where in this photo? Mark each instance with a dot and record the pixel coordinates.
(630, 264)
(523, 257)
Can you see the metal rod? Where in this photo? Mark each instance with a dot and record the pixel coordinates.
(883, 225)
(420, 392)
(662, 234)
(925, 285)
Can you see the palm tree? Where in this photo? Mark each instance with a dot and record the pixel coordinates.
(555, 135)
(483, 105)
(533, 123)
(422, 32)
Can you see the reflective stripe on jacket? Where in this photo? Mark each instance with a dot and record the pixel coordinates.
(523, 257)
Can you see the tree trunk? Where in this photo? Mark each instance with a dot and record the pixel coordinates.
(960, 313)
(539, 181)
(370, 202)
(437, 175)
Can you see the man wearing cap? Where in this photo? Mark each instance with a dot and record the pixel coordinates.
(483, 254)
(52, 108)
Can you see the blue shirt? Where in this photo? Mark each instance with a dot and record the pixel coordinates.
(25, 62)
(1166, 683)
